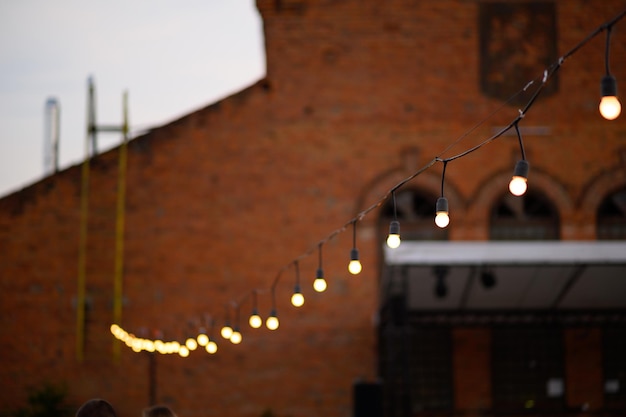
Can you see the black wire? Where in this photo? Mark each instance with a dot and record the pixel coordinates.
(608, 45)
(521, 144)
(443, 174)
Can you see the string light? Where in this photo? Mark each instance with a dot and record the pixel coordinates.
(610, 107)
(609, 94)
(518, 184)
(442, 219)
(211, 347)
(297, 299)
(355, 264)
(319, 284)
(393, 240)
(272, 322)
(191, 343)
(236, 337)
(183, 351)
(255, 320)
(202, 338)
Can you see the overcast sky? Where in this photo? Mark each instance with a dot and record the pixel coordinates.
(172, 57)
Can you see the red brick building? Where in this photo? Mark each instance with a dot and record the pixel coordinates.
(219, 205)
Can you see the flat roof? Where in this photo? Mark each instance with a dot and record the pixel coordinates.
(507, 253)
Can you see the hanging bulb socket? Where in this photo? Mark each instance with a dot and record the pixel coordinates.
(272, 322)
(297, 299)
(518, 184)
(610, 107)
(355, 265)
(255, 320)
(319, 284)
(393, 240)
(442, 218)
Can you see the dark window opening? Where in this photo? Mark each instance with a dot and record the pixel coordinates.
(611, 216)
(529, 217)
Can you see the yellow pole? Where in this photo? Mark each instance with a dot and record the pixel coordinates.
(119, 229)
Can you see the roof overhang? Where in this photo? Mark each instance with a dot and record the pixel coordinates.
(535, 275)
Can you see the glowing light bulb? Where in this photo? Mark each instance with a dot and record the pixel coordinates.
(518, 184)
(202, 338)
(211, 347)
(297, 299)
(610, 107)
(320, 285)
(159, 346)
(191, 343)
(174, 347)
(355, 265)
(272, 322)
(183, 351)
(148, 346)
(393, 240)
(255, 320)
(226, 331)
(236, 337)
(441, 214)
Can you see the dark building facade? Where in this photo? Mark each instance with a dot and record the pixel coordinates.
(517, 307)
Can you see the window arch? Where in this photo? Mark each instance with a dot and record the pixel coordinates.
(416, 214)
(611, 216)
(530, 217)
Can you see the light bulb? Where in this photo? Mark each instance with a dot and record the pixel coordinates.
(518, 184)
(159, 346)
(255, 320)
(393, 240)
(272, 321)
(174, 347)
(149, 346)
(610, 107)
(226, 331)
(191, 343)
(441, 218)
(355, 265)
(236, 337)
(211, 347)
(319, 285)
(203, 339)
(183, 351)
(297, 299)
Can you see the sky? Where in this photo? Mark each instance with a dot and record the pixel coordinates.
(171, 56)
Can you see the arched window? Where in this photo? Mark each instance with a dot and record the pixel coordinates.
(611, 215)
(530, 217)
(416, 214)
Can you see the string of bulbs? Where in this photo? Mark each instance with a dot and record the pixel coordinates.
(609, 107)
